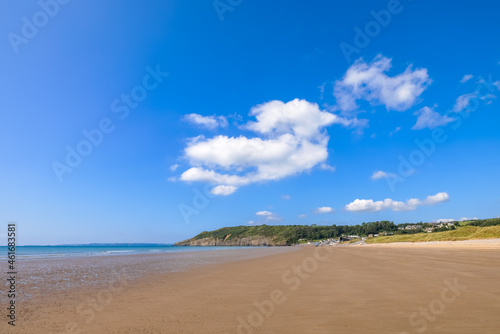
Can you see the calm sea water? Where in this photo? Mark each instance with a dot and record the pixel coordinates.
(45, 252)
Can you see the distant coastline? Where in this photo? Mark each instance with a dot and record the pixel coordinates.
(374, 232)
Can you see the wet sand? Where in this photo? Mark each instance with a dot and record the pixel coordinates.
(365, 289)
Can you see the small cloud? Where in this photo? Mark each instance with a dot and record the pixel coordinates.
(395, 130)
(466, 78)
(174, 167)
(428, 118)
(209, 122)
(251, 223)
(438, 198)
(488, 97)
(286, 197)
(324, 209)
(445, 220)
(327, 167)
(465, 218)
(463, 102)
(322, 90)
(377, 175)
(223, 190)
(264, 213)
(268, 215)
(302, 216)
(172, 179)
(370, 82)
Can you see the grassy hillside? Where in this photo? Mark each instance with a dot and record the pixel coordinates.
(278, 233)
(464, 233)
(291, 234)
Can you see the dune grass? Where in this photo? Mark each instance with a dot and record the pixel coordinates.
(462, 233)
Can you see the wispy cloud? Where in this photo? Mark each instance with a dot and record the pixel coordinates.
(174, 167)
(466, 78)
(377, 175)
(397, 129)
(327, 167)
(209, 122)
(267, 215)
(430, 119)
(463, 102)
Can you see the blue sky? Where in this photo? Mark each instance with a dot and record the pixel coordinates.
(206, 114)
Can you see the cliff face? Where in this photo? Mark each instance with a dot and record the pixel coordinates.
(246, 241)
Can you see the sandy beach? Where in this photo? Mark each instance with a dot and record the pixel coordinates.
(424, 288)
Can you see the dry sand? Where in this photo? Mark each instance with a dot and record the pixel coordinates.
(368, 289)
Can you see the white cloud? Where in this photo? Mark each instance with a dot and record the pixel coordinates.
(302, 118)
(379, 175)
(369, 82)
(428, 118)
(497, 84)
(435, 199)
(267, 215)
(327, 167)
(302, 216)
(488, 97)
(463, 101)
(466, 78)
(286, 197)
(293, 141)
(322, 90)
(324, 209)
(466, 218)
(209, 122)
(174, 167)
(360, 205)
(263, 213)
(223, 190)
(172, 179)
(445, 220)
(397, 129)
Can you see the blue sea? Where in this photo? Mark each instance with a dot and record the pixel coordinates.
(68, 251)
